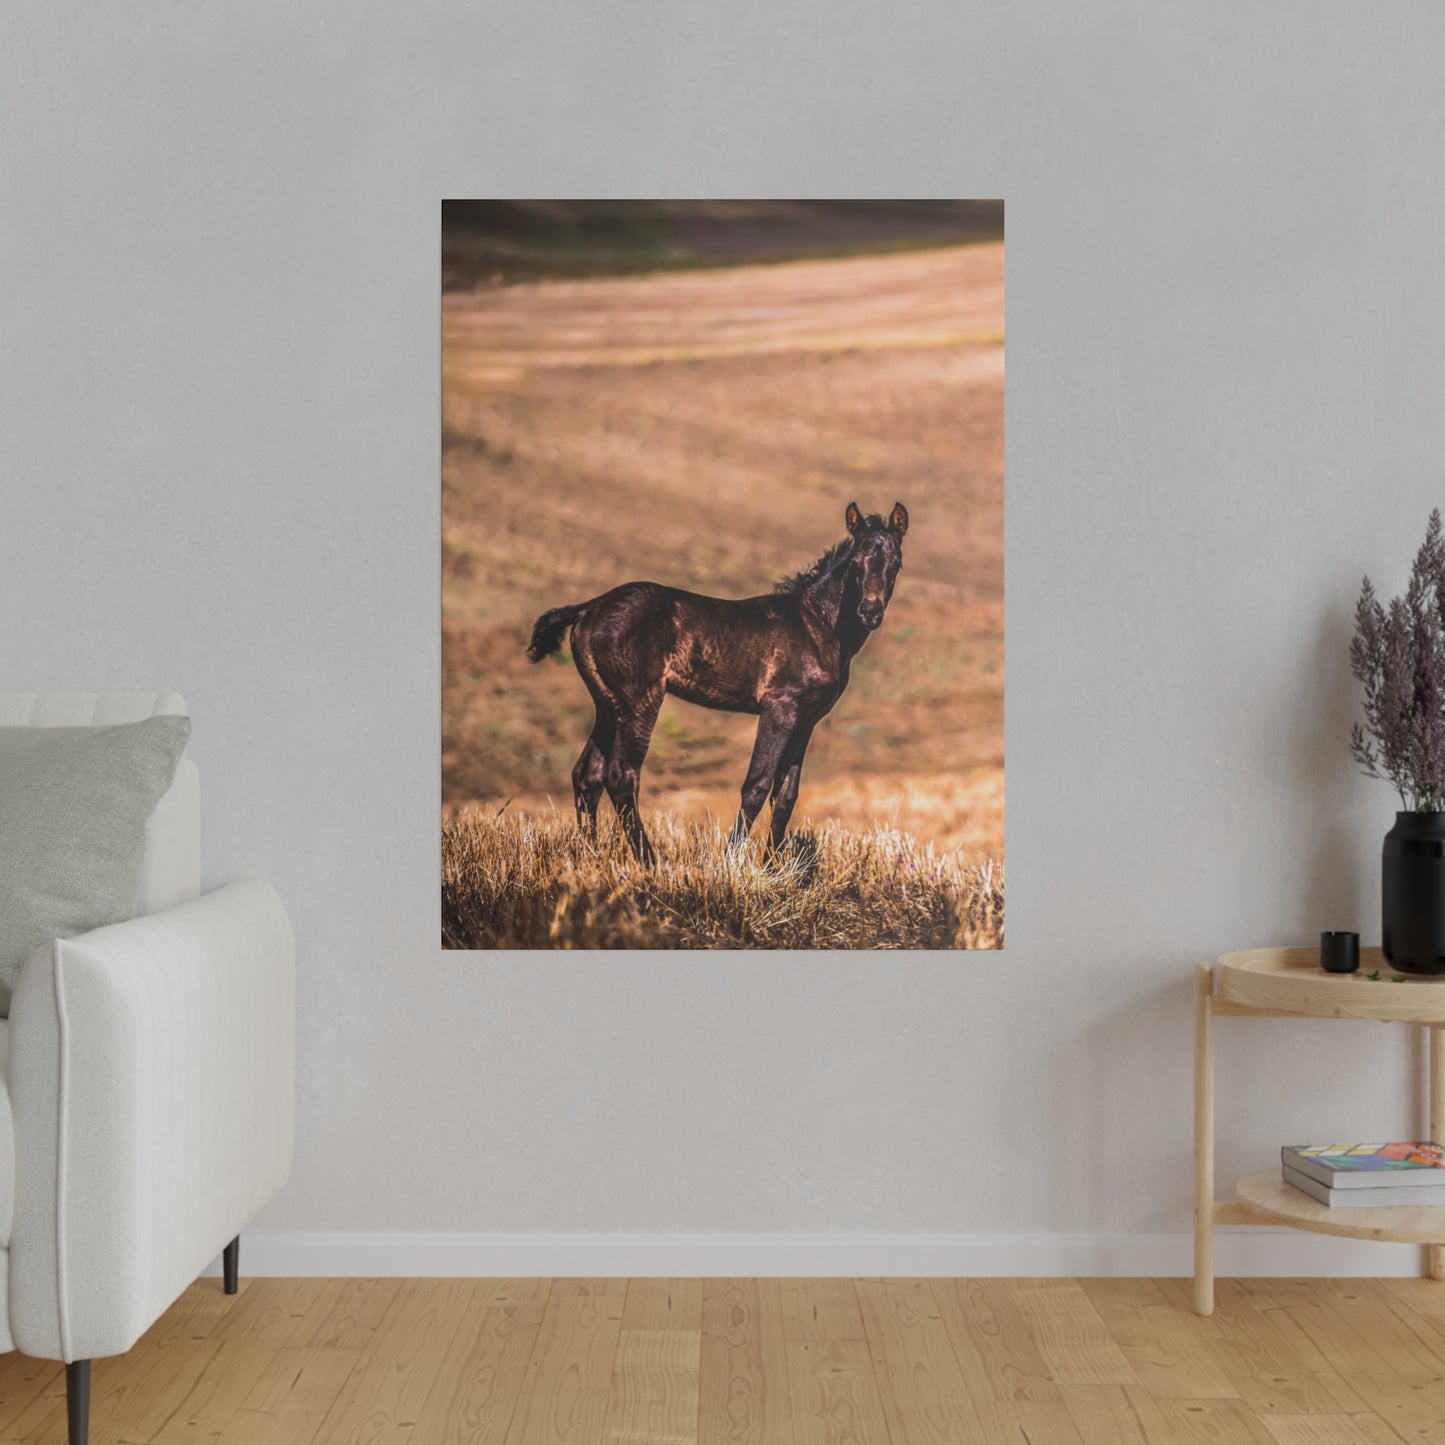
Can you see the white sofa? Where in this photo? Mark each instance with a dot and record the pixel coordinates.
(148, 1080)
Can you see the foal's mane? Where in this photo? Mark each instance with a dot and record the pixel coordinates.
(835, 556)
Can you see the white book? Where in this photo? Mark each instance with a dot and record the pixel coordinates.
(1377, 1198)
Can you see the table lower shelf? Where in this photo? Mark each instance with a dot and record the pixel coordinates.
(1267, 1196)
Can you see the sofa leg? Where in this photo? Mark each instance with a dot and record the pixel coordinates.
(77, 1401)
(231, 1264)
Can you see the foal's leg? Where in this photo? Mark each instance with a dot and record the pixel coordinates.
(624, 770)
(774, 730)
(785, 783)
(589, 777)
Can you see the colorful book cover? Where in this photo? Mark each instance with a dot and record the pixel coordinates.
(1365, 1158)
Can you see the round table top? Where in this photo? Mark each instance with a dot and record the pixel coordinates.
(1290, 980)
(1267, 1195)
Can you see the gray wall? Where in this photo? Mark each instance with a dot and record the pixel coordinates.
(218, 472)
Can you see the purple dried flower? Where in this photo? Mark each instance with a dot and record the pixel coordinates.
(1427, 726)
(1399, 656)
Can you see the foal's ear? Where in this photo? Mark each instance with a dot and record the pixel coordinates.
(898, 519)
(853, 517)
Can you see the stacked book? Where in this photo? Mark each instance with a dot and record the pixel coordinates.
(1367, 1176)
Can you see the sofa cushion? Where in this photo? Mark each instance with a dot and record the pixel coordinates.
(74, 802)
(171, 873)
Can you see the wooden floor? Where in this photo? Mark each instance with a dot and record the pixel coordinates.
(765, 1362)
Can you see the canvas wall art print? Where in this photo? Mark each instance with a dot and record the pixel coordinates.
(722, 574)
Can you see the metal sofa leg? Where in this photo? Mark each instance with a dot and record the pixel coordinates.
(231, 1264)
(77, 1401)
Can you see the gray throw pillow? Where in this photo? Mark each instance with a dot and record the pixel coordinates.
(73, 809)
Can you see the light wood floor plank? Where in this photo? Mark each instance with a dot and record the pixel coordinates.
(23, 1381)
(230, 1375)
(743, 1374)
(925, 1397)
(1028, 1422)
(1074, 1342)
(513, 1291)
(477, 1389)
(177, 1370)
(1280, 1324)
(1359, 1305)
(663, 1304)
(1204, 1422)
(290, 1399)
(1330, 1430)
(1276, 1293)
(1421, 1312)
(397, 1369)
(271, 1309)
(654, 1388)
(1320, 1327)
(1107, 1413)
(570, 1376)
(47, 1422)
(594, 1288)
(346, 1316)
(834, 1394)
(29, 1417)
(919, 1287)
(821, 1309)
(995, 1348)
(1268, 1375)
(206, 1297)
(1413, 1407)
(1165, 1346)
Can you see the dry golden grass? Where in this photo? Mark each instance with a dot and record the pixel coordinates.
(525, 882)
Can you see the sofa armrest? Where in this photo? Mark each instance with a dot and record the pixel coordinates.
(151, 1081)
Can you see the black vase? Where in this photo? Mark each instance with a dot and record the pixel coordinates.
(1414, 893)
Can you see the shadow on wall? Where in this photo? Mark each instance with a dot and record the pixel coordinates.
(1333, 890)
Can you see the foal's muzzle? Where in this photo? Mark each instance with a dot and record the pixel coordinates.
(870, 614)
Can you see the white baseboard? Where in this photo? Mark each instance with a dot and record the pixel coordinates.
(1240, 1252)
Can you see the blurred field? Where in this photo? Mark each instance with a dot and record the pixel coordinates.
(706, 429)
(491, 241)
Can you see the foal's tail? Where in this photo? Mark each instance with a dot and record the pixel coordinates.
(548, 629)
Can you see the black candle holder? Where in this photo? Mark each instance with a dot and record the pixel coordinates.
(1340, 952)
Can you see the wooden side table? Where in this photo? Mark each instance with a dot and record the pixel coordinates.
(1289, 983)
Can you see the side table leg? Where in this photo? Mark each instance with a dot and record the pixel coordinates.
(1435, 1254)
(1204, 1139)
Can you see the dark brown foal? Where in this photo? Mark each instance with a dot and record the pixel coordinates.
(784, 656)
